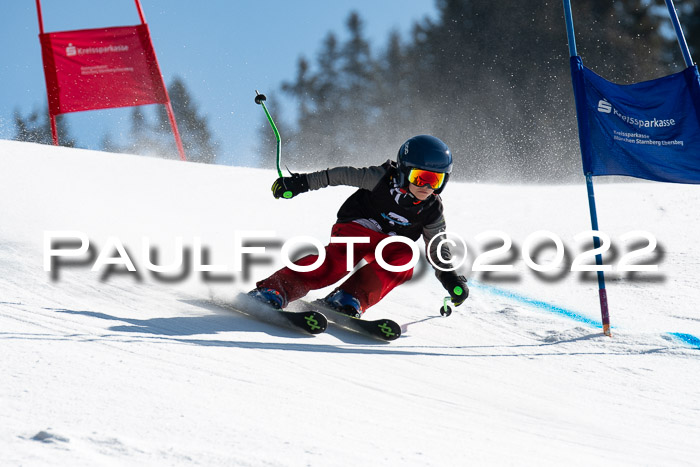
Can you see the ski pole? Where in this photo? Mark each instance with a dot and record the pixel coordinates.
(260, 100)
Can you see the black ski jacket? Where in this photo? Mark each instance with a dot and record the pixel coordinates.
(374, 205)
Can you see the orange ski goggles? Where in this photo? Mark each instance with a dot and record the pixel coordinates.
(420, 177)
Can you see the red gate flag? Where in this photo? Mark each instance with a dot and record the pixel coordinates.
(91, 69)
(102, 68)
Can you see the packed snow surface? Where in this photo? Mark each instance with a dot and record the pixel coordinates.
(112, 367)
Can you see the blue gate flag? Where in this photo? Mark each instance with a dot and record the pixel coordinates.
(647, 130)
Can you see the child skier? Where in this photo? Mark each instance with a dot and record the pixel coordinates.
(395, 198)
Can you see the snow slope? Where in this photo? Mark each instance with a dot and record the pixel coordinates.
(118, 368)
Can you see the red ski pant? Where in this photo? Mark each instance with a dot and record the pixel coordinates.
(369, 284)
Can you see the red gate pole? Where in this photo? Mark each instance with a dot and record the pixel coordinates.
(140, 10)
(52, 118)
(54, 130)
(168, 105)
(176, 132)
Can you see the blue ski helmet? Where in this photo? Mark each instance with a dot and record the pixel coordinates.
(424, 152)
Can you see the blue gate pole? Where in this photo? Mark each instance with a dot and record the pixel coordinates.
(679, 33)
(602, 294)
(570, 28)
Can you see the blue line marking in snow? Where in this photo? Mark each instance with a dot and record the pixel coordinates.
(687, 339)
(538, 304)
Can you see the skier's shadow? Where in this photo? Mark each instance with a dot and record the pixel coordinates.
(221, 321)
(224, 319)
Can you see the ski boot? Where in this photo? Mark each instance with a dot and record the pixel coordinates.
(268, 296)
(344, 303)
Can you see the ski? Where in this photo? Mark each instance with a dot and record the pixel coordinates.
(311, 321)
(384, 329)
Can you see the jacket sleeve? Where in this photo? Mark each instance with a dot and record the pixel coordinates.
(439, 256)
(364, 177)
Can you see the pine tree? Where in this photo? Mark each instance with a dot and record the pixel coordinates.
(323, 140)
(317, 140)
(36, 128)
(492, 80)
(302, 145)
(146, 138)
(194, 129)
(392, 95)
(337, 116)
(357, 83)
(152, 135)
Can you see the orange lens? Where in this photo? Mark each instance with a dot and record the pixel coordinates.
(420, 177)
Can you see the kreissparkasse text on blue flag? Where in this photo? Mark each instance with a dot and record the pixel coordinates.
(648, 130)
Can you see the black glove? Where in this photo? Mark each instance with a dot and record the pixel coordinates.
(456, 286)
(289, 187)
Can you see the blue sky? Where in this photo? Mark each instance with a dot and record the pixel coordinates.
(224, 50)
